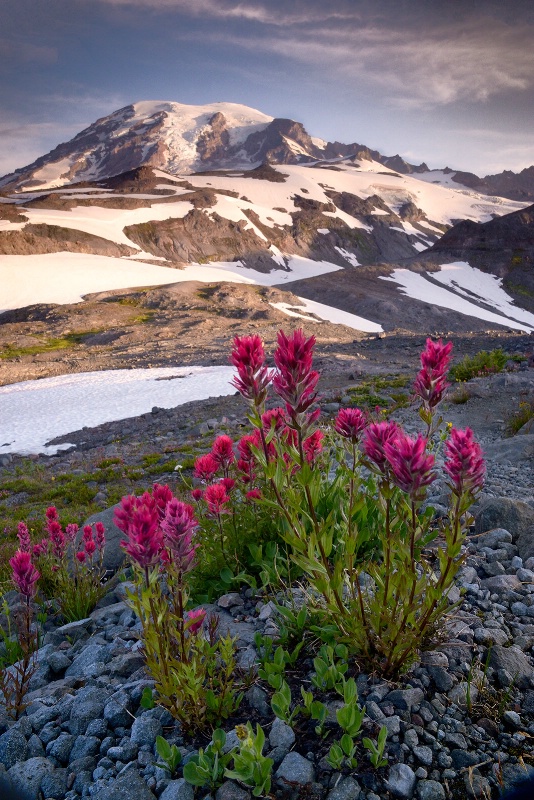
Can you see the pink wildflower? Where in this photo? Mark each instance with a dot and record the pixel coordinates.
(51, 514)
(71, 530)
(196, 494)
(216, 498)
(228, 484)
(87, 533)
(253, 377)
(463, 462)
(223, 451)
(295, 380)
(25, 576)
(431, 380)
(24, 537)
(162, 495)
(313, 446)
(377, 435)
(81, 556)
(350, 423)
(195, 619)
(205, 467)
(179, 526)
(90, 546)
(100, 535)
(254, 494)
(411, 466)
(139, 520)
(274, 417)
(57, 538)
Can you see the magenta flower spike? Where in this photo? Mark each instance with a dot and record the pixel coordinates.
(196, 494)
(274, 416)
(222, 451)
(295, 380)
(464, 463)
(431, 380)
(81, 556)
(57, 538)
(24, 576)
(140, 522)
(71, 530)
(216, 498)
(161, 495)
(350, 423)
(411, 466)
(90, 546)
(206, 467)
(179, 526)
(195, 620)
(100, 532)
(313, 446)
(24, 538)
(376, 437)
(253, 377)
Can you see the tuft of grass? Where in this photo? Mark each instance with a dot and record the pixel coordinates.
(381, 390)
(524, 414)
(482, 363)
(9, 351)
(460, 396)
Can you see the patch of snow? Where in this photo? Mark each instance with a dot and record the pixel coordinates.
(348, 256)
(323, 230)
(7, 225)
(35, 412)
(330, 314)
(419, 246)
(298, 268)
(108, 223)
(53, 174)
(417, 286)
(277, 256)
(379, 211)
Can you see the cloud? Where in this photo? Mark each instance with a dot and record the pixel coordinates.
(20, 51)
(415, 68)
(267, 14)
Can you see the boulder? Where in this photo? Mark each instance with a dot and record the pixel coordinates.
(512, 515)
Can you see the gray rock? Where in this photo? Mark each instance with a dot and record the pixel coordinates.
(392, 724)
(54, 784)
(424, 755)
(35, 747)
(118, 709)
(60, 748)
(113, 552)
(346, 789)
(230, 600)
(42, 716)
(281, 735)
(443, 679)
(49, 732)
(128, 786)
(401, 781)
(512, 515)
(501, 583)
(491, 636)
(26, 776)
(231, 791)
(126, 664)
(514, 661)
(295, 769)
(405, 699)
(430, 790)
(257, 699)
(178, 790)
(89, 655)
(97, 727)
(84, 746)
(13, 748)
(58, 661)
(512, 719)
(145, 729)
(494, 538)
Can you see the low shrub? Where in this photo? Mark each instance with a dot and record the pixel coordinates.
(524, 414)
(482, 363)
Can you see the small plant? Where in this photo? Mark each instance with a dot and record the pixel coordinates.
(376, 749)
(482, 363)
(208, 767)
(358, 540)
(11, 650)
(251, 767)
(343, 753)
(330, 666)
(350, 715)
(71, 567)
(315, 709)
(14, 679)
(281, 704)
(273, 664)
(194, 671)
(169, 754)
(524, 414)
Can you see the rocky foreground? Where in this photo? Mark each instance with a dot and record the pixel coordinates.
(460, 723)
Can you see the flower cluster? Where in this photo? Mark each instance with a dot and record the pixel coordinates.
(431, 380)
(25, 575)
(464, 463)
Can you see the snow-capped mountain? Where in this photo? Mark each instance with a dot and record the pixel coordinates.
(226, 193)
(183, 139)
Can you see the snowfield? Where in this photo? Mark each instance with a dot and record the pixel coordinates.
(461, 281)
(34, 412)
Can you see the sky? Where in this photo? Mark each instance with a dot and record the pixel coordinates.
(448, 82)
